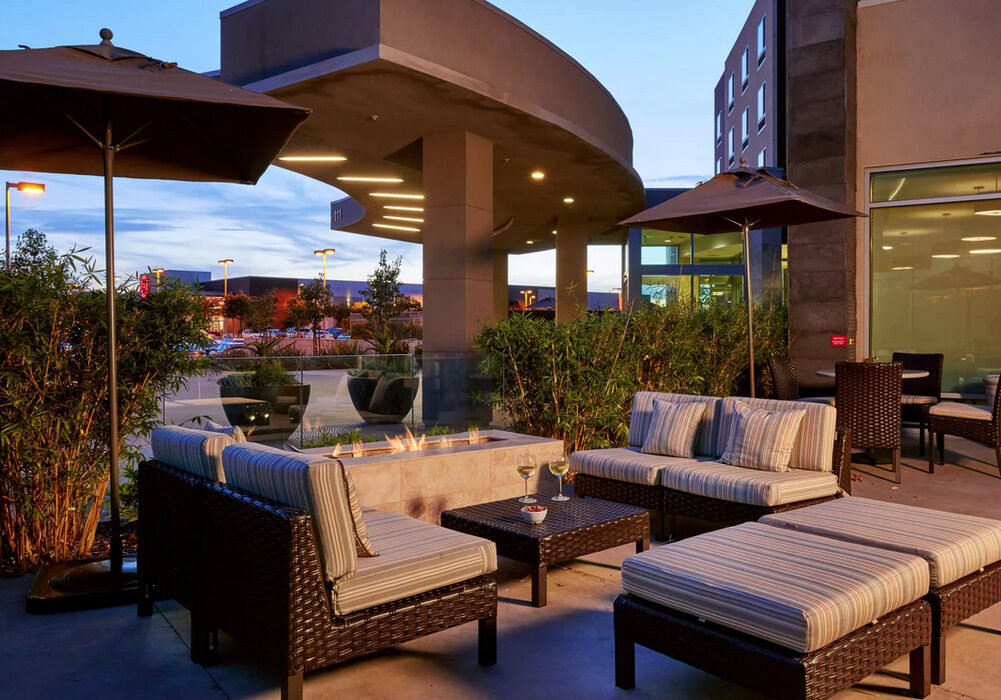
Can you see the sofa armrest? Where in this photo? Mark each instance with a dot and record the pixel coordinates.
(842, 462)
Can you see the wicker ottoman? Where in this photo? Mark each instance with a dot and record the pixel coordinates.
(963, 553)
(789, 614)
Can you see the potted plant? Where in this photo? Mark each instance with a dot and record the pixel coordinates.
(267, 403)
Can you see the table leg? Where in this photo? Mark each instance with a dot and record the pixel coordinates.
(642, 545)
(539, 586)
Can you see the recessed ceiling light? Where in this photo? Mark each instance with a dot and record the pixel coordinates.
(396, 195)
(360, 178)
(888, 247)
(529, 242)
(988, 209)
(538, 175)
(568, 200)
(945, 256)
(312, 159)
(400, 207)
(906, 267)
(986, 251)
(394, 227)
(404, 218)
(979, 239)
(555, 232)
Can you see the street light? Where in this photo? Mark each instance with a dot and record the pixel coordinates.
(529, 298)
(324, 252)
(618, 290)
(158, 271)
(225, 275)
(29, 188)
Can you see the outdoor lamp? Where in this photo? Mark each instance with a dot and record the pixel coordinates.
(27, 187)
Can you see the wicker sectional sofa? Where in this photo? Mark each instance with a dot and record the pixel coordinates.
(700, 493)
(280, 558)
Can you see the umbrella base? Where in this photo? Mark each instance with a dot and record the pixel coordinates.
(71, 586)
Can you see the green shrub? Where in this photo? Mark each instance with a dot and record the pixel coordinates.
(326, 436)
(270, 373)
(575, 380)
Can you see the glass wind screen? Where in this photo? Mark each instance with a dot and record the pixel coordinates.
(936, 287)
(936, 183)
(719, 249)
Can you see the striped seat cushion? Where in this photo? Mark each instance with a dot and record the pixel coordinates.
(814, 446)
(414, 557)
(761, 439)
(751, 486)
(673, 428)
(794, 589)
(313, 483)
(954, 545)
(918, 400)
(197, 452)
(642, 414)
(954, 409)
(623, 464)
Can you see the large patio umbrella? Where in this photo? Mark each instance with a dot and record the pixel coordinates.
(104, 110)
(740, 199)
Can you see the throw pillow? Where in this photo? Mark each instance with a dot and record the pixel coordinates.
(762, 439)
(673, 427)
(232, 430)
(363, 545)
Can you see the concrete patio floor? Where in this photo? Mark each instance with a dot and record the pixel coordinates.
(562, 650)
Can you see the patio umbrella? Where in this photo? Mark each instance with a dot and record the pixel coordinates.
(104, 110)
(740, 199)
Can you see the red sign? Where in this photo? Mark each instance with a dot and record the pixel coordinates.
(144, 286)
(839, 341)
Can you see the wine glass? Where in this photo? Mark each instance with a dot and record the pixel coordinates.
(526, 468)
(558, 467)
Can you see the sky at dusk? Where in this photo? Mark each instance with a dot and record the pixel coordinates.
(660, 59)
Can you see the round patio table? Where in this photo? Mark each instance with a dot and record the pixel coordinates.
(908, 373)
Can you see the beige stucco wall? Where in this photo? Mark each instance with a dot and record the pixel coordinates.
(929, 89)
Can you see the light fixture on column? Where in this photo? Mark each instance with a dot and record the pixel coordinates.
(555, 232)
(538, 175)
(568, 200)
(529, 242)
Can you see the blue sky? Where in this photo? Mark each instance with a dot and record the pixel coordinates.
(659, 58)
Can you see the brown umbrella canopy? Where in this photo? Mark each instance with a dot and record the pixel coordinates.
(169, 123)
(724, 203)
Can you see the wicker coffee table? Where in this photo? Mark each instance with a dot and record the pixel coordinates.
(571, 529)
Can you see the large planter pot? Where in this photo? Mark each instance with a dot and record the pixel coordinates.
(265, 413)
(381, 397)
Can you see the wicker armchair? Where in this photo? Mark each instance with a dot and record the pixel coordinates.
(920, 393)
(868, 398)
(787, 384)
(978, 423)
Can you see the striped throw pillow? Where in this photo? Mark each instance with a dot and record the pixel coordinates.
(673, 428)
(761, 439)
(233, 431)
(363, 545)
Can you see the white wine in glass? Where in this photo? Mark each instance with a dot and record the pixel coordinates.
(558, 466)
(526, 468)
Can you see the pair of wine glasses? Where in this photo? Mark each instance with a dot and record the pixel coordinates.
(527, 466)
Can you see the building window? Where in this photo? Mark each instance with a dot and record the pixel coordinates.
(733, 143)
(665, 248)
(731, 91)
(744, 72)
(761, 39)
(747, 127)
(763, 157)
(719, 127)
(761, 107)
(719, 165)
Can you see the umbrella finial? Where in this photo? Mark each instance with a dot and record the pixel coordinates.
(106, 35)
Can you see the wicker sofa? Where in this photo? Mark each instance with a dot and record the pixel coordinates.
(276, 558)
(699, 494)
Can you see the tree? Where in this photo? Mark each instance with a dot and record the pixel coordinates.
(261, 311)
(313, 305)
(236, 306)
(383, 294)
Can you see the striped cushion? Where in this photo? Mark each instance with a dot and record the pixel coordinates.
(918, 400)
(673, 428)
(814, 447)
(954, 545)
(751, 486)
(954, 409)
(623, 464)
(233, 431)
(991, 389)
(761, 439)
(363, 545)
(414, 557)
(313, 483)
(797, 590)
(639, 422)
(195, 451)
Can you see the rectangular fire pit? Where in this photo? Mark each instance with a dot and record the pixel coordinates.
(467, 471)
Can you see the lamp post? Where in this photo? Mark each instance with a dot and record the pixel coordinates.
(619, 291)
(30, 188)
(158, 271)
(225, 276)
(528, 297)
(324, 252)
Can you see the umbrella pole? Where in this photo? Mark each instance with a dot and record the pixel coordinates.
(109, 248)
(746, 233)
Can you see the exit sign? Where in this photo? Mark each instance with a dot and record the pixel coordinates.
(839, 341)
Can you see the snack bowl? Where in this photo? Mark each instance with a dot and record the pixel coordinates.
(534, 514)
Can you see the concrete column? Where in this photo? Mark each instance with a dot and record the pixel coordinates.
(458, 245)
(501, 299)
(571, 269)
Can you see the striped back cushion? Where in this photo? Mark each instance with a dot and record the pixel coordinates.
(705, 440)
(991, 387)
(313, 483)
(233, 431)
(814, 446)
(673, 428)
(761, 439)
(195, 451)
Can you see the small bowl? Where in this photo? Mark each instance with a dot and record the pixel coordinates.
(534, 516)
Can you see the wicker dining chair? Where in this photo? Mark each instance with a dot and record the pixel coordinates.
(786, 382)
(978, 423)
(868, 403)
(921, 392)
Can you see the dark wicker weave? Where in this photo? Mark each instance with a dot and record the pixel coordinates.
(768, 668)
(784, 378)
(982, 431)
(956, 602)
(868, 403)
(571, 529)
(930, 386)
(642, 495)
